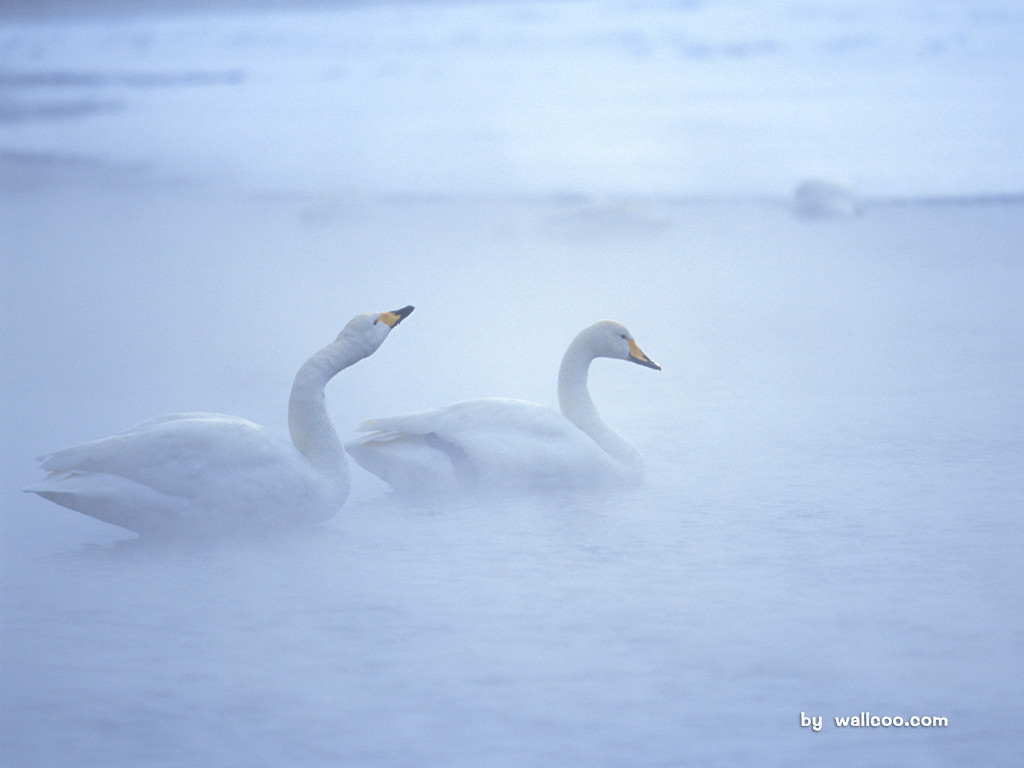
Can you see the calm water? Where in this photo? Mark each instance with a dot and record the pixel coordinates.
(831, 524)
(190, 205)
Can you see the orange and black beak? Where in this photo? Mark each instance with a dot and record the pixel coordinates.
(637, 356)
(391, 319)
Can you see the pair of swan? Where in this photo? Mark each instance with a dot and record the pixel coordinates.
(202, 473)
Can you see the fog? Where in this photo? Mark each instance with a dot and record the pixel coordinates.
(192, 202)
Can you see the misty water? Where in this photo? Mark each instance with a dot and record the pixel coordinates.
(831, 522)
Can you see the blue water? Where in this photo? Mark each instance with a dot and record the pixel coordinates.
(832, 519)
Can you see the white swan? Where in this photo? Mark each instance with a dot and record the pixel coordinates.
(501, 444)
(204, 473)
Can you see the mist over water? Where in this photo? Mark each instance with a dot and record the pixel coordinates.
(831, 522)
(728, 98)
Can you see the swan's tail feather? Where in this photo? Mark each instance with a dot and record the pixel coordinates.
(112, 499)
(384, 427)
(411, 463)
(411, 423)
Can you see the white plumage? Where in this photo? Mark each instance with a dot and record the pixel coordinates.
(205, 473)
(498, 444)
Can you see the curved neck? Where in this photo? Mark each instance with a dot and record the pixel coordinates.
(576, 405)
(308, 421)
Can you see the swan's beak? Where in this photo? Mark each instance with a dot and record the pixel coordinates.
(391, 319)
(637, 356)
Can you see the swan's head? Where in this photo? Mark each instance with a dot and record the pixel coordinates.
(611, 339)
(369, 331)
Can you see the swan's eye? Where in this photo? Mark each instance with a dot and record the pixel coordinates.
(624, 336)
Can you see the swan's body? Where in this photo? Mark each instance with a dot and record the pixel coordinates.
(501, 444)
(204, 473)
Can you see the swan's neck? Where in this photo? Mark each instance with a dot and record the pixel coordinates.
(576, 405)
(308, 421)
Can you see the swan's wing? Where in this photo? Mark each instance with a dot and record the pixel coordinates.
(188, 473)
(112, 499)
(173, 454)
(489, 442)
(488, 415)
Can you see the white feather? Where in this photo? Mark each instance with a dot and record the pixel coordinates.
(206, 473)
(498, 444)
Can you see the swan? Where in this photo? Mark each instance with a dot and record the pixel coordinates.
(205, 473)
(510, 445)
